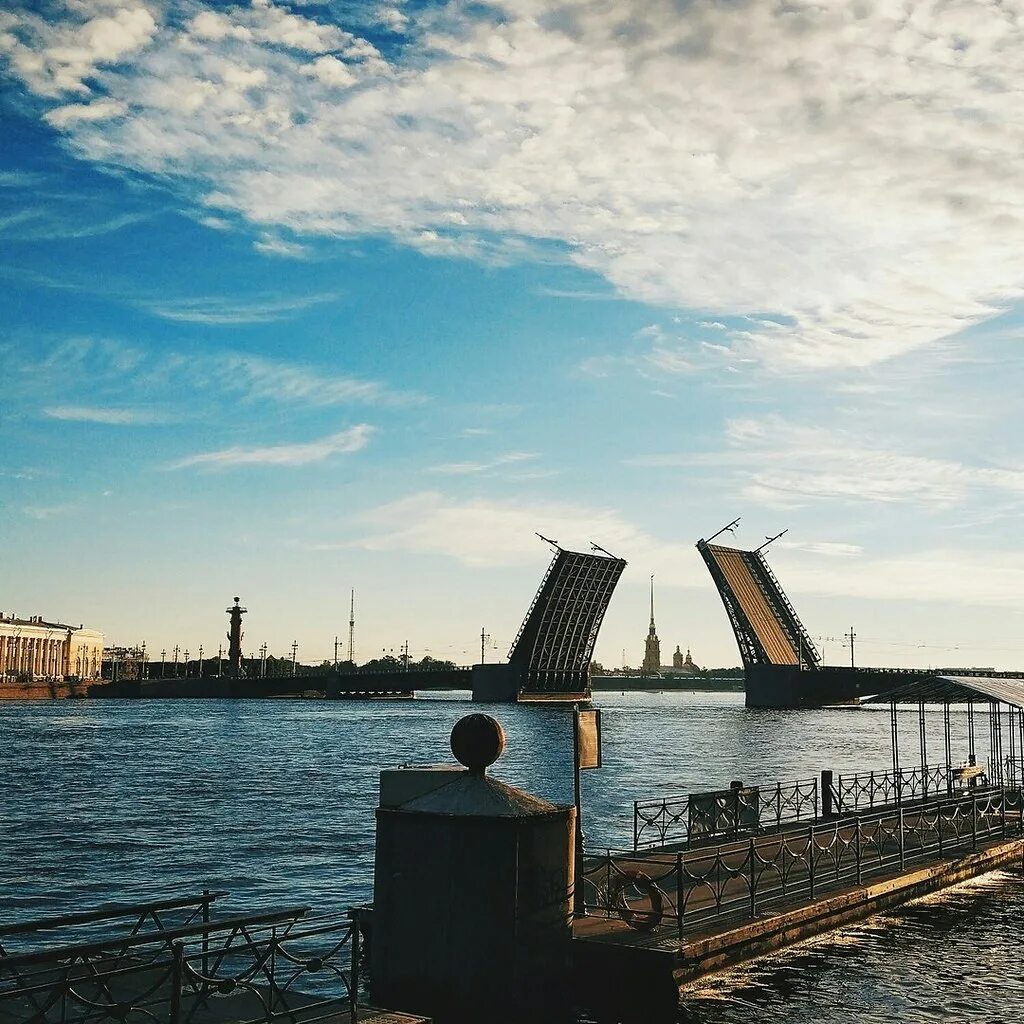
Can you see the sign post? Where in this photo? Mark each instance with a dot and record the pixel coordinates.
(586, 754)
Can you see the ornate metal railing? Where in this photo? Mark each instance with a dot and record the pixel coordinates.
(127, 918)
(868, 790)
(705, 817)
(272, 966)
(684, 888)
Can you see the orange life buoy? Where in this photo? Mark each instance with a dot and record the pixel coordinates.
(638, 920)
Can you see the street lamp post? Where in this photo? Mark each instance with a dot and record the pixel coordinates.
(143, 666)
(186, 663)
(220, 660)
(295, 649)
(200, 661)
(263, 660)
(175, 661)
(163, 662)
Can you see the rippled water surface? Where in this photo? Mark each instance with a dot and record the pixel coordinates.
(273, 801)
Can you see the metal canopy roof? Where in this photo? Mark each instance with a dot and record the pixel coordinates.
(943, 689)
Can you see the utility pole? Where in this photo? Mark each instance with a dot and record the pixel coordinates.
(295, 649)
(335, 654)
(852, 636)
(175, 661)
(186, 663)
(352, 628)
(483, 640)
(263, 660)
(163, 662)
(200, 661)
(405, 656)
(143, 659)
(220, 660)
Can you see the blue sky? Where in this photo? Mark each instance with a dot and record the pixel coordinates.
(305, 297)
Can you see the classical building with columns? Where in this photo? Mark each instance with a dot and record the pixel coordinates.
(33, 649)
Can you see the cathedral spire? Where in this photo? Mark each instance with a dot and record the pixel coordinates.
(652, 648)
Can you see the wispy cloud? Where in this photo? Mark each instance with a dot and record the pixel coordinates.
(346, 441)
(96, 414)
(782, 464)
(228, 311)
(272, 245)
(468, 468)
(108, 364)
(45, 512)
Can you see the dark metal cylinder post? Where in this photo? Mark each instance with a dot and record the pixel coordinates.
(948, 748)
(923, 743)
(826, 793)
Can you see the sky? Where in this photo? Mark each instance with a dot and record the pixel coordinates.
(300, 298)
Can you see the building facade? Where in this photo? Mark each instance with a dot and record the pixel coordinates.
(33, 649)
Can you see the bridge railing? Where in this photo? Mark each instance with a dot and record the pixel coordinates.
(703, 817)
(684, 889)
(281, 969)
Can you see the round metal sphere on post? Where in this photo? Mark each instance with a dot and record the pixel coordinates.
(477, 741)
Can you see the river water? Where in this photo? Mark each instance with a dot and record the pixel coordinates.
(273, 801)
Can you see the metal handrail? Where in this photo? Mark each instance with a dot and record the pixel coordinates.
(109, 912)
(672, 818)
(265, 960)
(741, 877)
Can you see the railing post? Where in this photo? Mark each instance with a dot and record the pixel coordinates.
(1002, 811)
(636, 833)
(903, 840)
(826, 795)
(974, 823)
(857, 847)
(817, 800)
(679, 895)
(810, 857)
(753, 894)
(938, 825)
(177, 980)
(206, 932)
(353, 988)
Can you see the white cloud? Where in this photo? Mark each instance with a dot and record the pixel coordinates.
(351, 440)
(331, 71)
(227, 311)
(489, 533)
(94, 414)
(98, 110)
(790, 464)
(468, 468)
(484, 532)
(54, 59)
(274, 246)
(842, 173)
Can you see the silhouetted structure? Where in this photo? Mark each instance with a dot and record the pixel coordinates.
(236, 667)
(550, 658)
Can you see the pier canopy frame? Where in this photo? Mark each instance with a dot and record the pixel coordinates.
(999, 692)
